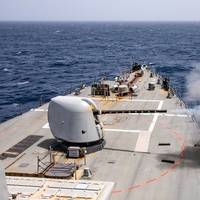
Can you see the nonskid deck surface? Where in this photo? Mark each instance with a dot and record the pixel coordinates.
(147, 156)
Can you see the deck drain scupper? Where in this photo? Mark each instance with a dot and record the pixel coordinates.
(111, 162)
(168, 161)
(163, 144)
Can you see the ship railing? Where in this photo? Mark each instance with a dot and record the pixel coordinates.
(45, 162)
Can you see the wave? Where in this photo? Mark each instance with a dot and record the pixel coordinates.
(18, 53)
(15, 104)
(23, 52)
(62, 63)
(23, 83)
(6, 70)
(59, 63)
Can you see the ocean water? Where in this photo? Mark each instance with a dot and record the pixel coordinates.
(41, 60)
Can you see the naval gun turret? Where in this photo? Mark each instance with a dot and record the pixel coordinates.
(73, 120)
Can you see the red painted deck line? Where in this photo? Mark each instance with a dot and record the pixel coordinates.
(180, 139)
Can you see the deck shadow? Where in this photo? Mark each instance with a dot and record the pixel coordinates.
(63, 146)
(120, 150)
(53, 144)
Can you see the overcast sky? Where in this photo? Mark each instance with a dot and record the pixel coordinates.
(100, 10)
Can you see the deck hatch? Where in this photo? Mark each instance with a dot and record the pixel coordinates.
(20, 147)
(61, 170)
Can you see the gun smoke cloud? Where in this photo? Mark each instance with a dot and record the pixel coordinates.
(193, 91)
(193, 84)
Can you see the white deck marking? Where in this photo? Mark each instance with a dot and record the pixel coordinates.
(160, 114)
(46, 125)
(122, 130)
(128, 100)
(39, 110)
(176, 115)
(144, 137)
(108, 130)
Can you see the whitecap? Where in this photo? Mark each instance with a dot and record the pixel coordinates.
(18, 53)
(6, 70)
(23, 83)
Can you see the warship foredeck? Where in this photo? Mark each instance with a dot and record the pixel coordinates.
(147, 155)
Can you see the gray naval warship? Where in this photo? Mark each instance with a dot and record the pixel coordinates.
(127, 138)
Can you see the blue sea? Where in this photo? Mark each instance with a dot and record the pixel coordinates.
(41, 60)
